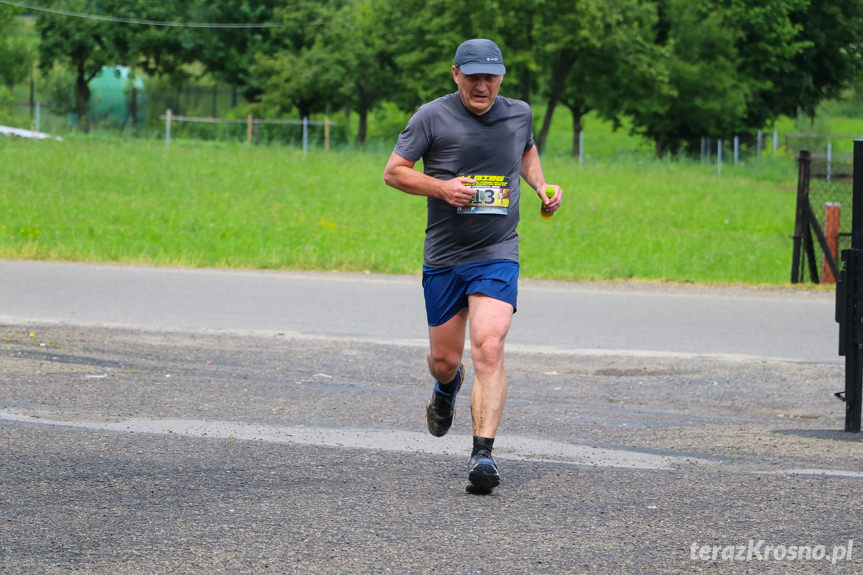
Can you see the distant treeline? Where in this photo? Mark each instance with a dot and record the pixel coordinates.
(673, 70)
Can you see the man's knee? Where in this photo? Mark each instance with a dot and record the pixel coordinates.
(443, 367)
(487, 352)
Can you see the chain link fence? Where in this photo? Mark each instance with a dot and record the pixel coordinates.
(140, 110)
(826, 186)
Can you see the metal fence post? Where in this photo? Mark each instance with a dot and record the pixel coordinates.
(849, 303)
(853, 375)
(719, 158)
(168, 127)
(801, 227)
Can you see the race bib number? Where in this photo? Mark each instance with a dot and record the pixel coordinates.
(491, 196)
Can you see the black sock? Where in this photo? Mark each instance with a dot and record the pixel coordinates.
(450, 387)
(482, 444)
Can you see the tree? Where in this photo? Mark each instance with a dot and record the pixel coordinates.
(796, 53)
(520, 43)
(229, 54)
(360, 38)
(631, 75)
(707, 96)
(302, 73)
(80, 44)
(425, 35)
(84, 45)
(767, 42)
(610, 65)
(736, 65)
(155, 50)
(16, 58)
(570, 33)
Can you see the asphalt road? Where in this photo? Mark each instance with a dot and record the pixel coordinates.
(181, 421)
(633, 318)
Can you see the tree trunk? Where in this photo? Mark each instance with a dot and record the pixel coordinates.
(546, 122)
(524, 74)
(362, 129)
(82, 98)
(305, 109)
(525, 78)
(363, 105)
(578, 109)
(564, 63)
(659, 147)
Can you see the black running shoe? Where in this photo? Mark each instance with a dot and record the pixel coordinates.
(482, 475)
(440, 410)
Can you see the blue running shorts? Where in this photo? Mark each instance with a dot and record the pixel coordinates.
(446, 289)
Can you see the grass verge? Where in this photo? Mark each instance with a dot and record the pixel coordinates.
(236, 206)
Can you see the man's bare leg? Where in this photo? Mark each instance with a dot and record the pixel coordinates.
(490, 320)
(444, 359)
(446, 346)
(489, 323)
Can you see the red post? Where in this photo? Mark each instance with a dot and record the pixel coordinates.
(831, 232)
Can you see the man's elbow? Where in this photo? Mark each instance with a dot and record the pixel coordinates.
(389, 178)
(391, 175)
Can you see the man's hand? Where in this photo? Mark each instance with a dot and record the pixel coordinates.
(401, 175)
(551, 204)
(455, 192)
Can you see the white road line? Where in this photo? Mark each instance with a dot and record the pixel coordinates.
(512, 447)
(515, 448)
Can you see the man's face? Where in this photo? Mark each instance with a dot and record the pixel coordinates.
(477, 91)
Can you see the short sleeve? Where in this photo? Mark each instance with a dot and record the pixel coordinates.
(416, 137)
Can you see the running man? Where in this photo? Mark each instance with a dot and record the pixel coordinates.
(475, 147)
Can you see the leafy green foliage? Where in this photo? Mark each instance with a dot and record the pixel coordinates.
(85, 45)
(707, 98)
(16, 56)
(672, 70)
(229, 54)
(735, 66)
(601, 57)
(303, 74)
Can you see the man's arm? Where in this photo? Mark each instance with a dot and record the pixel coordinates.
(401, 175)
(531, 172)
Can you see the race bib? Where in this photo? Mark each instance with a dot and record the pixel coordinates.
(491, 196)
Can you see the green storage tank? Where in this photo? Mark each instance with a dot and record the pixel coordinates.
(114, 97)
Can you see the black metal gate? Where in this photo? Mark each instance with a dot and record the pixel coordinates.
(849, 303)
(808, 229)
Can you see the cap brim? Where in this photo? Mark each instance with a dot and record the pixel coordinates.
(477, 68)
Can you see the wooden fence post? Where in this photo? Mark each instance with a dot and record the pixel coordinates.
(832, 212)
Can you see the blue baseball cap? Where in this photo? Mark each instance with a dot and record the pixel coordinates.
(479, 56)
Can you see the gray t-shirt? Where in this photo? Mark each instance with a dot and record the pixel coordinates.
(454, 142)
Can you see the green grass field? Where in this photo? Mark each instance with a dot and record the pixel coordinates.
(237, 206)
